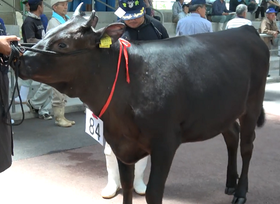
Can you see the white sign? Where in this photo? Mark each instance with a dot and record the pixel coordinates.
(94, 127)
(119, 12)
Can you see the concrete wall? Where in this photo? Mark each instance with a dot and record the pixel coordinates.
(7, 12)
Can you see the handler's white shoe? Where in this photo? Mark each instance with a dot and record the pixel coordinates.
(114, 183)
(110, 190)
(140, 187)
(138, 184)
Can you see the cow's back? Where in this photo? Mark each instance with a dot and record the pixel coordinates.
(196, 80)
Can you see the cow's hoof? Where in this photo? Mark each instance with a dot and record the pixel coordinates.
(229, 191)
(238, 200)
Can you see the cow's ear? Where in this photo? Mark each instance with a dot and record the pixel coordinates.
(114, 30)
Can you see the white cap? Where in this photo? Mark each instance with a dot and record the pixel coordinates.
(53, 2)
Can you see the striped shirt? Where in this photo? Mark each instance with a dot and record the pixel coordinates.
(237, 22)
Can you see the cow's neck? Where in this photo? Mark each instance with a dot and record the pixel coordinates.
(98, 79)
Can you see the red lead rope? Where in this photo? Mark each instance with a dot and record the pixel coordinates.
(123, 44)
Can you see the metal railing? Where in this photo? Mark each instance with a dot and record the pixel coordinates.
(263, 35)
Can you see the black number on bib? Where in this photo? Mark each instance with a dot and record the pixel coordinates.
(97, 131)
(91, 126)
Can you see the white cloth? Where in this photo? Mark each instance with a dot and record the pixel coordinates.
(237, 22)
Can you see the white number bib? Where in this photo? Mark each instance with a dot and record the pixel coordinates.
(94, 127)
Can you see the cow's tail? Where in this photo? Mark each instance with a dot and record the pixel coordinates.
(261, 119)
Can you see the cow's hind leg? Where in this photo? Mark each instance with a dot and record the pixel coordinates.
(231, 137)
(247, 131)
(127, 177)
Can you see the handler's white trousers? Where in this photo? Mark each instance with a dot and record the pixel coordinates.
(114, 177)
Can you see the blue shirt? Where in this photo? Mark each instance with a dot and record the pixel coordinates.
(219, 7)
(193, 24)
(44, 20)
(2, 27)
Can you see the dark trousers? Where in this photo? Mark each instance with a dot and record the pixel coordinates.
(6, 144)
(260, 9)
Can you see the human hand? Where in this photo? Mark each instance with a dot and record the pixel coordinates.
(5, 48)
(225, 14)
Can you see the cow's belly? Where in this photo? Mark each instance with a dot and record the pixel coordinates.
(211, 122)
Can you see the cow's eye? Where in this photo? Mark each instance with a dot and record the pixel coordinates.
(62, 45)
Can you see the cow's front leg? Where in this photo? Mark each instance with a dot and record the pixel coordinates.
(161, 160)
(127, 177)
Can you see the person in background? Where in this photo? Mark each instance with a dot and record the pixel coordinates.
(149, 6)
(43, 17)
(59, 100)
(139, 26)
(269, 26)
(6, 139)
(240, 19)
(185, 11)
(234, 3)
(196, 22)
(32, 32)
(2, 27)
(261, 9)
(252, 6)
(176, 9)
(25, 85)
(220, 13)
(149, 9)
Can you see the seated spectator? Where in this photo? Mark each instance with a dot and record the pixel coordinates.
(176, 9)
(220, 13)
(194, 23)
(240, 20)
(269, 26)
(261, 8)
(185, 11)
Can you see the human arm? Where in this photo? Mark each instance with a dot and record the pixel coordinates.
(225, 10)
(216, 10)
(5, 43)
(32, 40)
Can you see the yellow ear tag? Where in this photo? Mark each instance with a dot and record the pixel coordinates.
(105, 42)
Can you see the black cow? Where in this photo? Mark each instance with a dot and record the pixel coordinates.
(183, 89)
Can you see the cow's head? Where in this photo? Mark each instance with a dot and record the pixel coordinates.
(67, 51)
